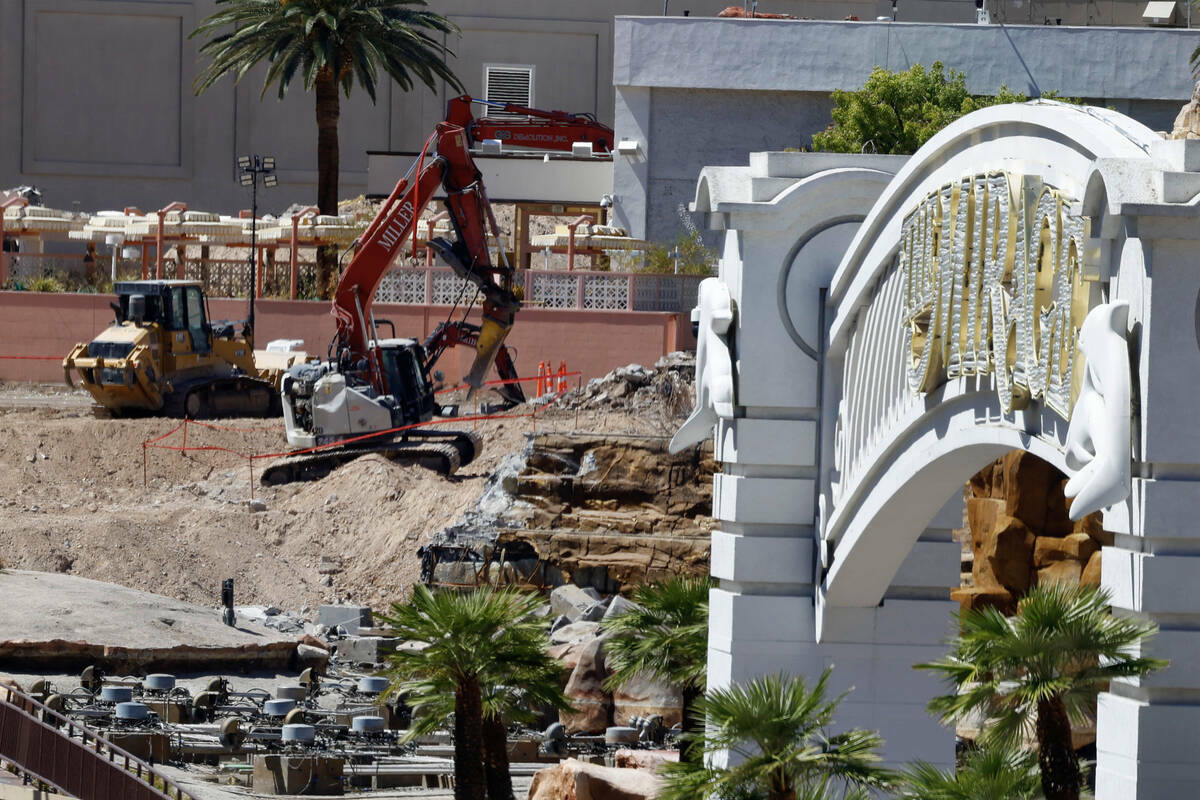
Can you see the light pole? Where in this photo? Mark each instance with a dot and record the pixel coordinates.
(252, 167)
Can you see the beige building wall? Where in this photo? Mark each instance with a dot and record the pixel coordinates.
(96, 106)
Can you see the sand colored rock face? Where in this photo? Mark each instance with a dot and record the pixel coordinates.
(1021, 534)
(575, 780)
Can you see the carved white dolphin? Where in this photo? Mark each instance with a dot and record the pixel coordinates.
(1098, 449)
(714, 366)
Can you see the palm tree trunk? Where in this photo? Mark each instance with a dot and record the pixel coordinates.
(469, 781)
(495, 759)
(691, 723)
(328, 112)
(1059, 766)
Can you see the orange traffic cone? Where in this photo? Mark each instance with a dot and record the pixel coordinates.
(562, 376)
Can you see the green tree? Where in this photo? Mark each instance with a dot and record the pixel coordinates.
(1039, 671)
(897, 112)
(991, 773)
(775, 729)
(664, 636)
(471, 643)
(332, 44)
(689, 254)
(509, 694)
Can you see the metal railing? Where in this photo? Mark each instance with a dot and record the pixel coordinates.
(73, 759)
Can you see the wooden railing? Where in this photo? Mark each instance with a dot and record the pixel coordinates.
(72, 759)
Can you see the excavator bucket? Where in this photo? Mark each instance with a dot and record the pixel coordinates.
(491, 338)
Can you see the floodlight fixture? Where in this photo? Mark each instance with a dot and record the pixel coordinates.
(252, 167)
(246, 179)
(244, 162)
(270, 180)
(268, 162)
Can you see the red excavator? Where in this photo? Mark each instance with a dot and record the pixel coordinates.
(369, 384)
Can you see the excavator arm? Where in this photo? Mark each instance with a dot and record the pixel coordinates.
(446, 163)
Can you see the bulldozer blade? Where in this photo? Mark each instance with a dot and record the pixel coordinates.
(491, 338)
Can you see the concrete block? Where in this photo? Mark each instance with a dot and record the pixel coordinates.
(366, 649)
(349, 617)
(760, 618)
(1152, 733)
(767, 442)
(1167, 508)
(752, 659)
(1182, 649)
(784, 501)
(284, 774)
(1180, 155)
(575, 603)
(1179, 187)
(1150, 584)
(1119, 778)
(930, 564)
(761, 559)
(897, 621)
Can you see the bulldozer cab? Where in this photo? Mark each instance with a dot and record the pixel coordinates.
(178, 306)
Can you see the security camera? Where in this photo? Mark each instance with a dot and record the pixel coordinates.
(606, 201)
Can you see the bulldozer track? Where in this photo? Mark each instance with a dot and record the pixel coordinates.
(444, 452)
(223, 398)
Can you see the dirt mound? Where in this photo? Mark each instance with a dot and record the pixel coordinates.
(73, 500)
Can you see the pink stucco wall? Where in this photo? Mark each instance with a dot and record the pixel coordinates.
(35, 324)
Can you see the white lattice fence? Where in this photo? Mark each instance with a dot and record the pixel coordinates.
(610, 292)
(449, 289)
(553, 290)
(405, 286)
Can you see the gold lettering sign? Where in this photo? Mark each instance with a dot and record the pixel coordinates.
(993, 284)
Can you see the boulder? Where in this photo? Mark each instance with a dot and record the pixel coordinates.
(618, 606)
(650, 760)
(644, 696)
(1029, 483)
(585, 691)
(575, 632)
(1093, 526)
(1077, 546)
(571, 601)
(1068, 571)
(567, 655)
(1187, 123)
(1091, 572)
(575, 780)
(1003, 555)
(971, 598)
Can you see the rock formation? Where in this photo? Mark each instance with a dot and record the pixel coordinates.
(1187, 124)
(1021, 534)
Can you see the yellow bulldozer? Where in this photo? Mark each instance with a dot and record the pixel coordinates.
(163, 355)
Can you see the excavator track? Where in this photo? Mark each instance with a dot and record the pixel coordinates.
(444, 452)
(227, 397)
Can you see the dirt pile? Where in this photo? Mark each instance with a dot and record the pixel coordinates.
(665, 389)
(72, 501)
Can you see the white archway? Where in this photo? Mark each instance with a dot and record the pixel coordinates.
(867, 393)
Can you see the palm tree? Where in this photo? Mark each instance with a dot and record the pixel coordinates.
(664, 636)
(332, 44)
(775, 730)
(1040, 671)
(509, 693)
(469, 639)
(991, 773)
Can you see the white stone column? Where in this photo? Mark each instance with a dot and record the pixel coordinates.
(1148, 731)
(785, 219)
